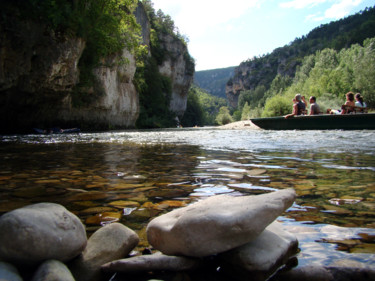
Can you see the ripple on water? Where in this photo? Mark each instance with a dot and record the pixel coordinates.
(133, 176)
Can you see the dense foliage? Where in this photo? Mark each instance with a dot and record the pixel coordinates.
(285, 60)
(329, 75)
(107, 27)
(202, 108)
(328, 62)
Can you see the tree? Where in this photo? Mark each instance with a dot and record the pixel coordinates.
(224, 116)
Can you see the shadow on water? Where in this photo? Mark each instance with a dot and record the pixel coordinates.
(136, 176)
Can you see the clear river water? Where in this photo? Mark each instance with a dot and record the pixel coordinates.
(133, 176)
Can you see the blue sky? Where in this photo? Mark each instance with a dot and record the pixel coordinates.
(225, 33)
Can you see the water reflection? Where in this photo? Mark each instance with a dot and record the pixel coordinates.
(132, 177)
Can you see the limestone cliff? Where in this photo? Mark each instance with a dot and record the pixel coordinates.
(260, 71)
(179, 69)
(38, 74)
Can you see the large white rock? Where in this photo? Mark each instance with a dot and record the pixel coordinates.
(153, 262)
(216, 224)
(261, 257)
(111, 242)
(39, 232)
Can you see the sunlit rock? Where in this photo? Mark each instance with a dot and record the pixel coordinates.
(52, 270)
(103, 218)
(261, 257)
(217, 224)
(111, 242)
(39, 232)
(153, 262)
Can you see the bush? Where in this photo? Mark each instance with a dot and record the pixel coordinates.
(277, 106)
(224, 116)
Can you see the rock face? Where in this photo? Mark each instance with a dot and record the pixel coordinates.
(152, 262)
(109, 243)
(39, 232)
(264, 255)
(53, 270)
(179, 69)
(8, 272)
(39, 71)
(216, 224)
(118, 104)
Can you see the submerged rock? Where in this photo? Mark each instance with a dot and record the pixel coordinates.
(53, 270)
(216, 224)
(9, 273)
(261, 257)
(323, 273)
(153, 262)
(39, 232)
(111, 242)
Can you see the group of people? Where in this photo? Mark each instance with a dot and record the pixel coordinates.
(299, 105)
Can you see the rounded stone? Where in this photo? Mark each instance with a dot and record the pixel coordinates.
(53, 270)
(39, 232)
(216, 224)
(111, 242)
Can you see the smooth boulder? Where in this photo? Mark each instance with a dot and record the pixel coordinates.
(263, 256)
(217, 224)
(39, 232)
(153, 262)
(111, 242)
(53, 270)
(9, 272)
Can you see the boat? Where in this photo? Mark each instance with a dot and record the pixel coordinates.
(56, 131)
(365, 121)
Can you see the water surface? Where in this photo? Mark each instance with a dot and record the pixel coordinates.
(133, 176)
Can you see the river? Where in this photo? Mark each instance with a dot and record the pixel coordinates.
(133, 176)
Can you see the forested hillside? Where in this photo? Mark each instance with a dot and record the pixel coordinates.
(328, 62)
(202, 108)
(214, 80)
(261, 77)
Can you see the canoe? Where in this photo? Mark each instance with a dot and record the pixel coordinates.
(318, 122)
(57, 131)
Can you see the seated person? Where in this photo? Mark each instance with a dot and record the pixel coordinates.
(314, 107)
(349, 102)
(359, 101)
(298, 107)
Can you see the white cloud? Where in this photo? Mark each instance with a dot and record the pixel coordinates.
(337, 9)
(341, 9)
(301, 4)
(195, 17)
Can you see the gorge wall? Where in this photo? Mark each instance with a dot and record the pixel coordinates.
(39, 70)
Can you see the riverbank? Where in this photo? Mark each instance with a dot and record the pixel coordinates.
(240, 125)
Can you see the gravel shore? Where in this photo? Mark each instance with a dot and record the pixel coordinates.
(240, 125)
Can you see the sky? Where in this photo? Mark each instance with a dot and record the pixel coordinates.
(225, 33)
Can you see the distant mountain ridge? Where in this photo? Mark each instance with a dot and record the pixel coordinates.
(214, 80)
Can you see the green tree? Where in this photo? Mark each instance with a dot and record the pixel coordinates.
(246, 112)
(224, 116)
(364, 72)
(194, 113)
(277, 106)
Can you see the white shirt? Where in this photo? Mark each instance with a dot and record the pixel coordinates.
(357, 103)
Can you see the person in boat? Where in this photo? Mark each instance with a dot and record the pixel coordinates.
(349, 102)
(314, 107)
(299, 107)
(359, 101)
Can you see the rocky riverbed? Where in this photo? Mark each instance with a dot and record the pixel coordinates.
(237, 236)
